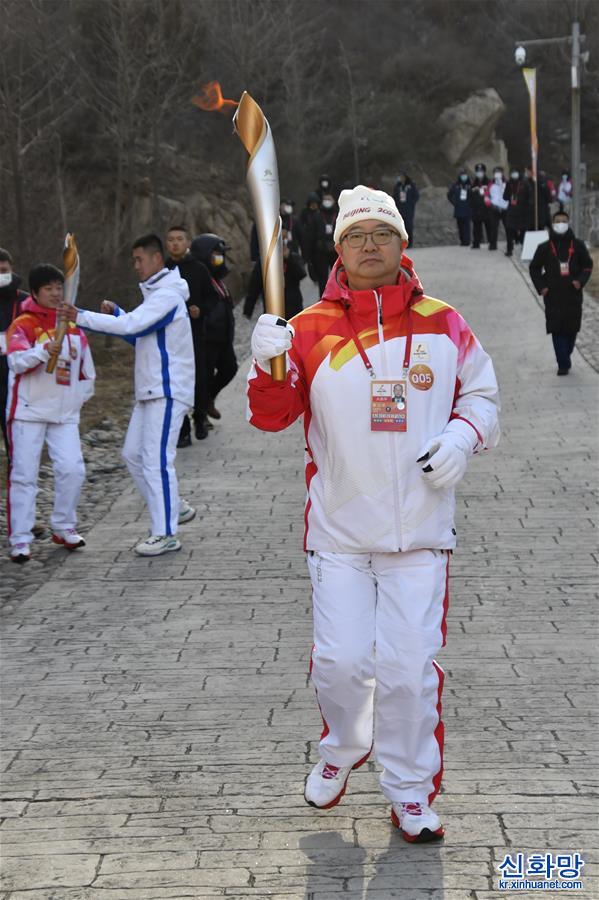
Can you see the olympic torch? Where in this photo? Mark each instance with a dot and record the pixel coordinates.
(70, 261)
(262, 176)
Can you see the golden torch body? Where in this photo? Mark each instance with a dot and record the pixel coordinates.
(70, 261)
(254, 132)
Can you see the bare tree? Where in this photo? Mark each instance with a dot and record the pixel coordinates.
(35, 94)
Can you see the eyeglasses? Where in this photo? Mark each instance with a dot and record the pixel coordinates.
(380, 236)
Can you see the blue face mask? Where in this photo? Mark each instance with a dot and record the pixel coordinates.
(463, 178)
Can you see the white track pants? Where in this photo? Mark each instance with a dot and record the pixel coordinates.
(149, 451)
(378, 621)
(26, 442)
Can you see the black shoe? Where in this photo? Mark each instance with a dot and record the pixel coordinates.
(563, 371)
(492, 248)
(475, 247)
(213, 411)
(184, 441)
(201, 431)
(507, 253)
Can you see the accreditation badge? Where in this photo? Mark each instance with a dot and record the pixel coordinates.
(388, 404)
(564, 269)
(63, 371)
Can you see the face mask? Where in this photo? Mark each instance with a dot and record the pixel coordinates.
(564, 177)
(514, 176)
(560, 227)
(498, 177)
(464, 178)
(5, 279)
(217, 259)
(287, 210)
(328, 204)
(324, 185)
(479, 175)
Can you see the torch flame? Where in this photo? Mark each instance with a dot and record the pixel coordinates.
(210, 99)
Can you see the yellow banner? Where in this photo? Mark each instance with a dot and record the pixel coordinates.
(530, 77)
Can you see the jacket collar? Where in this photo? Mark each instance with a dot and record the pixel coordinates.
(29, 305)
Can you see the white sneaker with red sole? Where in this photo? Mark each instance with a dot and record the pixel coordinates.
(326, 784)
(417, 822)
(68, 538)
(20, 553)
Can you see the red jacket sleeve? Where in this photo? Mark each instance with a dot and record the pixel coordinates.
(274, 405)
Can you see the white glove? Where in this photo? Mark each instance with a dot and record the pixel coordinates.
(446, 455)
(271, 337)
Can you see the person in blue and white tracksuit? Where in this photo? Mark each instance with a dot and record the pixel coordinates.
(164, 387)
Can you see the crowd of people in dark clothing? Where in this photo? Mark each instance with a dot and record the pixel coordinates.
(481, 204)
(308, 242)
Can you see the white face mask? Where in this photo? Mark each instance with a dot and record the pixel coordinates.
(564, 177)
(5, 279)
(287, 210)
(498, 177)
(560, 227)
(515, 175)
(328, 204)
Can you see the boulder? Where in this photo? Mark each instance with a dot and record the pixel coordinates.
(468, 130)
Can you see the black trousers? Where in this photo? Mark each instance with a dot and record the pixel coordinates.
(464, 229)
(564, 344)
(477, 231)
(254, 290)
(221, 366)
(514, 236)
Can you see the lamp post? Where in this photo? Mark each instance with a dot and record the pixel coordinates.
(575, 39)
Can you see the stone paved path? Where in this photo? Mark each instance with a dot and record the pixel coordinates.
(158, 720)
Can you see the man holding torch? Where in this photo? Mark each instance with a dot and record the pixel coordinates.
(379, 518)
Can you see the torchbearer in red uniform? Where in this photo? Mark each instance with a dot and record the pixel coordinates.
(379, 520)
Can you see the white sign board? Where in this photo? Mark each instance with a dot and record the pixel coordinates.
(532, 239)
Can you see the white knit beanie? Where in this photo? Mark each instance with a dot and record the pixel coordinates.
(363, 203)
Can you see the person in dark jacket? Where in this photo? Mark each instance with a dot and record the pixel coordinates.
(293, 271)
(197, 277)
(254, 289)
(217, 317)
(458, 197)
(10, 305)
(291, 222)
(543, 200)
(318, 227)
(560, 268)
(517, 193)
(406, 196)
(478, 197)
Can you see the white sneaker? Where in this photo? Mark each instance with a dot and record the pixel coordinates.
(20, 553)
(186, 512)
(68, 538)
(417, 822)
(326, 784)
(157, 544)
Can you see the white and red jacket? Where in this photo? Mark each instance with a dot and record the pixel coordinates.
(33, 394)
(366, 492)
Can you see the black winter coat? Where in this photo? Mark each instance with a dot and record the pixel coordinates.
(10, 302)
(461, 207)
(563, 302)
(519, 198)
(478, 193)
(410, 195)
(216, 322)
(294, 270)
